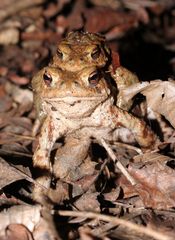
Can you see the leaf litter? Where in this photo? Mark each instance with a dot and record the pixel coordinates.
(106, 205)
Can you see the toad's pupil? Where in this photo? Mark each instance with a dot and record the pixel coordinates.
(95, 54)
(47, 79)
(59, 54)
(93, 79)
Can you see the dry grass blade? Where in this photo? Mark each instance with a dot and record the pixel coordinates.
(118, 163)
(140, 229)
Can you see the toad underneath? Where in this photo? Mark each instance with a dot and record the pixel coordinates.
(78, 105)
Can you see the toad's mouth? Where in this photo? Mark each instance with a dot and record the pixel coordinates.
(73, 107)
(73, 99)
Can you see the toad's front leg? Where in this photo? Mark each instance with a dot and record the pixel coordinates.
(142, 133)
(123, 78)
(51, 130)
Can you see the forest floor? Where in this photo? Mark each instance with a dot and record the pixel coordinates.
(110, 206)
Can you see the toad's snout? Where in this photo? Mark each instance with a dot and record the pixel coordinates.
(69, 86)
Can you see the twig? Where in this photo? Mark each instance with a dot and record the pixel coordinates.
(118, 221)
(118, 163)
(9, 152)
(22, 136)
(130, 147)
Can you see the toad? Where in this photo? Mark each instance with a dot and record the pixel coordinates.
(79, 50)
(78, 105)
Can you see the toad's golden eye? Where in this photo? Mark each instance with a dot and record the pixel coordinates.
(59, 53)
(93, 79)
(47, 79)
(96, 53)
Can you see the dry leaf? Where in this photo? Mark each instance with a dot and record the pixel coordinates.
(29, 216)
(17, 232)
(9, 36)
(150, 157)
(88, 202)
(18, 79)
(5, 104)
(85, 233)
(110, 19)
(160, 96)
(129, 92)
(46, 229)
(155, 181)
(9, 174)
(23, 97)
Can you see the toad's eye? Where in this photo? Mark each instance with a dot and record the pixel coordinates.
(96, 53)
(47, 79)
(93, 79)
(59, 53)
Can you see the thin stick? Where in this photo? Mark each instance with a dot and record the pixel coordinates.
(22, 136)
(140, 229)
(8, 152)
(130, 147)
(118, 163)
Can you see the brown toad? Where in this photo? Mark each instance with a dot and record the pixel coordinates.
(79, 105)
(79, 50)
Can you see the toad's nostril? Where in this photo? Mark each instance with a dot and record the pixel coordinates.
(76, 83)
(71, 60)
(62, 84)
